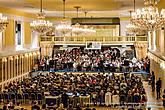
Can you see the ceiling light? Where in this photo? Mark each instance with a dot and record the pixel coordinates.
(64, 26)
(76, 29)
(3, 22)
(149, 17)
(41, 26)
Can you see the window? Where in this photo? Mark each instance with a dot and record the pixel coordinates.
(18, 33)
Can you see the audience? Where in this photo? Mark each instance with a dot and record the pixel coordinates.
(120, 88)
(35, 106)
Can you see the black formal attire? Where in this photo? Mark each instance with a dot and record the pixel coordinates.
(164, 100)
(153, 82)
(65, 100)
(35, 107)
(158, 88)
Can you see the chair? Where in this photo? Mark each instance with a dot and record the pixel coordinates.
(39, 98)
(12, 97)
(6, 97)
(33, 97)
(19, 98)
(26, 98)
(1, 97)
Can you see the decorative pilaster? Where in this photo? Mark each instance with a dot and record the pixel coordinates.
(152, 40)
(141, 49)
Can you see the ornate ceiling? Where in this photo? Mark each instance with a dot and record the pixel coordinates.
(95, 8)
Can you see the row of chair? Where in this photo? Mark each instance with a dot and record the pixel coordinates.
(22, 98)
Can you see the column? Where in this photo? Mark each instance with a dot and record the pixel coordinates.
(46, 49)
(162, 41)
(29, 64)
(154, 41)
(33, 60)
(9, 69)
(11, 72)
(14, 66)
(5, 69)
(149, 40)
(20, 60)
(17, 66)
(25, 63)
(2, 74)
(22, 65)
(158, 35)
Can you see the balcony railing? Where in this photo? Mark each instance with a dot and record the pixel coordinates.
(102, 39)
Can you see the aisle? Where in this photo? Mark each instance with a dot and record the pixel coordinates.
(151, 96)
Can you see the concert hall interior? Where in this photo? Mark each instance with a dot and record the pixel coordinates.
(82, 54)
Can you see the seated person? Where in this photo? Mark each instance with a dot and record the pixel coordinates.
(35, 106)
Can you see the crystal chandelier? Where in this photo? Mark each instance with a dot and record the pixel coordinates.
(149, 18)
(41, 26)
(64, 26)
(132, 29)
(76, 29)
(88, 30)
(3, 22)
(51, 32)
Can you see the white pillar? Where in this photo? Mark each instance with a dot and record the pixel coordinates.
(154, 41)
(161, 42)
(9, 69)
(2, 74)
(149, 40)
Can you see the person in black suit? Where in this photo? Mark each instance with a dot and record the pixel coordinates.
(65, 98)
(35, 106)
(153, 81)
(163, 98)
(158, 88)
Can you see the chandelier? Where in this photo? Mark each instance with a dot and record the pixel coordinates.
(88, 30)
(3, 22)
(51, 32)
(76, 29)
(41, 26)
(132, 29)
(149, 18)
(64, 26)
